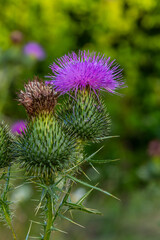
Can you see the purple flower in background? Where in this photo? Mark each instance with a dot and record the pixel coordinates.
(78, 71)
(18, 127)
(154, 148)
(35, 50)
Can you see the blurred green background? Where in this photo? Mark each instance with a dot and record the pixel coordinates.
(128, 31)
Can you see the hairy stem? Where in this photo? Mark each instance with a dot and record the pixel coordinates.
(9, 222)
(49, 216)
(5, 206)
(5, 191)
(63, 197)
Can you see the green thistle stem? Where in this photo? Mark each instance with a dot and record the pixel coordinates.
(7, 181)
(5, 191)
(63, 197)
(52, 212)
(5, 209)
(9, 222)
(49, 216)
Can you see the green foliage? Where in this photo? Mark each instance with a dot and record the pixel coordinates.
(127, 30)
(6, 140)
(5, 213)
(44, 148)
(86, 116)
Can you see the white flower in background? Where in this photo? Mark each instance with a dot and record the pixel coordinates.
(76, 195)
(22, 193)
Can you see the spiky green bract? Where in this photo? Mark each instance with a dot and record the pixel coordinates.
(44, 149)
(5, 146)
(86, 116)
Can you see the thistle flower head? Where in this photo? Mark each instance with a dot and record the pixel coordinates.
(37, 97)
(5, 146)
(85, 70)
(18, 127)
(34, 49)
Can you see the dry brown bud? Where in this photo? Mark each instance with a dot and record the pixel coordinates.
(16, 37)
(37, 97)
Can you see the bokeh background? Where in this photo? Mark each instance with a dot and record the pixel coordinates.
(128, 31)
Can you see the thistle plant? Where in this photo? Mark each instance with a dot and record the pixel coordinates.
(51, 146)
(6, 158)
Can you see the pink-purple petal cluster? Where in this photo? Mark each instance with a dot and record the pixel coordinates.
(78, 71)
(18, 127)
(34, 49)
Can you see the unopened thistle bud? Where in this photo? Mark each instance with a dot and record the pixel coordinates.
(37, 97)
(44, 148)
(5, 146)
(86, 116)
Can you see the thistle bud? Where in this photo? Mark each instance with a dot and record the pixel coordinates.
(86, 116)
(37, 97)
(43, 148)
(5, 146)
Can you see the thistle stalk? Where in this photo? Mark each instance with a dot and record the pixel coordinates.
(49, 216)
(7, 182)
(9, 222)
(54, 207)
(5, 206)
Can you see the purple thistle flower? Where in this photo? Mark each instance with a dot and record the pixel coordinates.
(18, 127)
(78, 71)
(35, 50)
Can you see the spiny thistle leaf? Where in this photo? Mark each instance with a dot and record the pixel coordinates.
(44, 148)
(82, 161)
(94, 187)
(58, 230)
(103, 161)
(81, 200)
(80, 207)
(86, 116)
(107, 137)
(5, 146)
(5, 213)
(29, 230)
(70, 220)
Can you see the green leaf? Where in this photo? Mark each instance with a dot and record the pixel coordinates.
(70, 220)
(58, 230)
(88, 185)
(93, 153)
(85, 174)
(84, 160)
(29, 230)
(44, 191)
(39, 223)
(65, 197)
(75, 166)
(84, 196)
(80, 207)
(94, 168)
(103, 161)
(31, 237)
(62, 203)
(103, 138)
